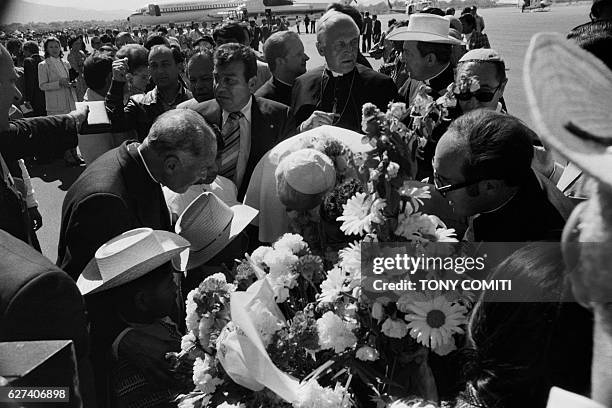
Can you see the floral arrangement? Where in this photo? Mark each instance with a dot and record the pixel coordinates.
(321, 330)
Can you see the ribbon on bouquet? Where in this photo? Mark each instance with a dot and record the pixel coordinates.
(241, 350)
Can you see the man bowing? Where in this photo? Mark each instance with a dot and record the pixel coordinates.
(333, 94)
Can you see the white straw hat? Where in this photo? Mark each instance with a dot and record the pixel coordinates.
(426, 28)
(128, 257)
(210, 225)
(569, 91)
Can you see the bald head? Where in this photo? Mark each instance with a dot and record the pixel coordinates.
(338, 41)
(182, 130)
(180, 150)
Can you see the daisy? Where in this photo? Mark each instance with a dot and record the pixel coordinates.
(445, 235)
(350, 262)
(415, 195)
(435, 321)
(359, 214)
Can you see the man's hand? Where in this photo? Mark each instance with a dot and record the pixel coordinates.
(35, 218)
(318, 118)
(120, 70)
(80, 115)
(148, 354)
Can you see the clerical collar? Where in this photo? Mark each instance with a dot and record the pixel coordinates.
(437, 75)
(282, 82)
(246, 111)
(145, 164)
(336, 74)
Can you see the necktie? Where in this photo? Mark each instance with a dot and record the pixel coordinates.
(231, 140)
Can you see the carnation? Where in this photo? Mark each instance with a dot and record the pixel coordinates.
(398, 109)
(228, 405)
(259, 255)
(267, 323)
(334, 333)
(394, 328)
(313, 395)
(367, 353)
(333, 286)
(188, 342)
(192, 318)
(378, 312)
(350, 262)
(202, 375)
(280, 261)
(392, 170)
(216, 283)
(292, 242)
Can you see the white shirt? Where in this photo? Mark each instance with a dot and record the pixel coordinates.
(245, 140)
(559, 398)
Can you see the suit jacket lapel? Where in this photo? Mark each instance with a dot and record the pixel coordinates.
(570, 174)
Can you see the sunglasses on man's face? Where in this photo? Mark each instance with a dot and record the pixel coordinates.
(481, 96)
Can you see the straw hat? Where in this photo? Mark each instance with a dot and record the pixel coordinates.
(210, 225)
(570, 93)
(128, 257)
(424, 27)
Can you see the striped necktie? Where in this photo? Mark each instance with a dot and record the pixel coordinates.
(231, 140)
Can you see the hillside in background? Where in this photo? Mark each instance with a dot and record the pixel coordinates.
(25, 12)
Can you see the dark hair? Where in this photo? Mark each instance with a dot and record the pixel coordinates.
(31, 46)
(232, 30)
(96, 69)
(107, 39)
(466, 10)
(350, 11)
(14, 45)
(177, 54)
(468, 19)
(205, 38)
(155, 39)
(441, 51)
(450, 11)
(163, 30)
(500, 68)
(46, 43)
(72, 39)
(331, 207)
(232, 52)
(596, 38)
(521, 349)
(137, 55)
(433, 10)
(500, 146)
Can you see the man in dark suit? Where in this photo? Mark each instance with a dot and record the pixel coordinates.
(32, 93)
(482, 166)
(284, 52)
(40, 302)
(25, 138)
(121, 191)
(250, 126)
(334, 94)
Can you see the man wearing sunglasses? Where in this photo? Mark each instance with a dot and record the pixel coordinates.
(480, 80)
(482, 166)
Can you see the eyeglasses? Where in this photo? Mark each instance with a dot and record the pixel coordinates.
(445, 189)
(481, 96)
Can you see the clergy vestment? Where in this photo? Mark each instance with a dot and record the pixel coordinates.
(320, 89)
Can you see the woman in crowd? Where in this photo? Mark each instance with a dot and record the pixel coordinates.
(60, 95)
(138, 68)
(76, 58)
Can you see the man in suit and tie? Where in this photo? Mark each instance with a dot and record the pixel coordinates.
(250, 126)
(120, 191)
(334, 94)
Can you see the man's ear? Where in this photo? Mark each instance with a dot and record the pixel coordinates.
(171, 164)
(252, 84)
(320, 48)
(492, 187)
(431, 59)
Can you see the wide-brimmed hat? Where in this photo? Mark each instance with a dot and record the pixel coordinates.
(210, 225)
(129, 256)
(569, 92)
(426, 28)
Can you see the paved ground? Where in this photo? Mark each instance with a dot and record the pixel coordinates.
(508, 29)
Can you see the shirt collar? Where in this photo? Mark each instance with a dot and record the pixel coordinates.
(282, 82)
(246, 111)
(145, 165)
(438, 74)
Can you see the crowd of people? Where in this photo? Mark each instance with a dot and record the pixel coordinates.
(204, 132)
